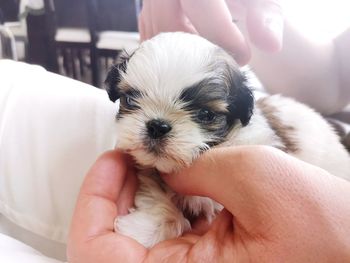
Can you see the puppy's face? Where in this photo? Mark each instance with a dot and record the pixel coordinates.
(179, 95)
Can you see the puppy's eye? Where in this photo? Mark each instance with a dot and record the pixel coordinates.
(128, 101)
(206, 116)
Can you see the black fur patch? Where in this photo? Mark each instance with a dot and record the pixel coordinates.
(241, 99)
(114, 76)
(231, 90)
(204, 92)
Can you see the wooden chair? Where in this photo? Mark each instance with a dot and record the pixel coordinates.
(69, 41)
(113, 28)
(7, 40)
(9, 10)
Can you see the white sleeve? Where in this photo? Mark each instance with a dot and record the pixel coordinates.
(52, 129)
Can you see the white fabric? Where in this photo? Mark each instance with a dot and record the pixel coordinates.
(46, 246)
(13, 251)
(79, 35)
(51, 131)
(117, 40)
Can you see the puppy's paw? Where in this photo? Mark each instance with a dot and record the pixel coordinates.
(199, 206)
(151, 228)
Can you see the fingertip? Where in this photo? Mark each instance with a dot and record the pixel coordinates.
(107, 174)
(196, 178)
(106, 164)
(111, 155)
(114, 156)
(185, 181)
(265, 25)
(175, 179)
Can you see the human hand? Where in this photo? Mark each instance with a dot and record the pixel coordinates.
(283, 209)
(108, 191)
(212, 20)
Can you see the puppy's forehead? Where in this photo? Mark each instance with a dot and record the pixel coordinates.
(169, 63)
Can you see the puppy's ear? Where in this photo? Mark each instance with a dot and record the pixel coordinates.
(241, 103)
(114, 76)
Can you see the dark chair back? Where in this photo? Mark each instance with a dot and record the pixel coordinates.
(2, 17)
(10, 9)
(71, 13)
(114, 15)
(66, 13)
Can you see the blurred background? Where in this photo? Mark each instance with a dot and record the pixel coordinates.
(76, 38)
(82, 38)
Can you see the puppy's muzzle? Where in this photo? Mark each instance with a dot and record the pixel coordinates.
(157, 128)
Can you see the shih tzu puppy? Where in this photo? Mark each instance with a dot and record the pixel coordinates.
(181, 95)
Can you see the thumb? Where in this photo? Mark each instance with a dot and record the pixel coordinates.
(248, 181)
(96, 204)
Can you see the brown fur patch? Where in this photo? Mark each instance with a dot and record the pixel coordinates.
(124, 86)
(284, 132)
(218, 105)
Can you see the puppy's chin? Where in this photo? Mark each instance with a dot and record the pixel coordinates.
(165, 163)
(168, 166)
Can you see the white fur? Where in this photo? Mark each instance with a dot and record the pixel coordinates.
(162, 67)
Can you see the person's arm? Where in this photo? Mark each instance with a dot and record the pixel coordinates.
(313, 73)
(277, 208)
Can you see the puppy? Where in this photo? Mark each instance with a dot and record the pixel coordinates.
(181, 95)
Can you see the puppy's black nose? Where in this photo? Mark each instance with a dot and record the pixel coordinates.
(157, 128)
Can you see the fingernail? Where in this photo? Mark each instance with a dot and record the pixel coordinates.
(274, 24)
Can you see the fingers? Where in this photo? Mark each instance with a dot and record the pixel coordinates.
(127, 194)
(162, 16)
(246, 180)
(96, 207)
(214, 22)
(265, 24)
